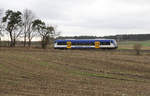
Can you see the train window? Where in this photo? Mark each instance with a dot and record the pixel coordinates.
(61, 43)
(108, 43)
(86, 43)
(83, 43)
(105, 43)
(92, 43)
(74, 43)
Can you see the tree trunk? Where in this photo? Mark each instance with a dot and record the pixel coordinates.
(25, 41)
(0, 41)
(29, 38)
(43, 42)
(29, 44)
(14, 43)
(11, 42)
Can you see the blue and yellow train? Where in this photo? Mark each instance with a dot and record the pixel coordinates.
(85, 44)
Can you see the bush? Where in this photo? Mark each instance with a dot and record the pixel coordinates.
(137, 48)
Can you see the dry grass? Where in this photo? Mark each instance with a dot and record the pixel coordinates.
(37, 72)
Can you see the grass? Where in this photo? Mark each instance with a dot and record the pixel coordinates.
(130, 44)
(110, 76)
(37, 72)
(144, 43)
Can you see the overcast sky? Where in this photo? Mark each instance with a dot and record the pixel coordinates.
(89, 17)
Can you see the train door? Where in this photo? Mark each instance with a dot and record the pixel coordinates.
(69, 44)
(97, 44)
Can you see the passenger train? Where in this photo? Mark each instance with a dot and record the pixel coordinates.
(85, 44)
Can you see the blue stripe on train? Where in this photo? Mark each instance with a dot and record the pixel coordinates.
(75, 47)
(82, 40)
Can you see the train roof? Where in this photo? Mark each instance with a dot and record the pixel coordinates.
(85, 39)
(59, 40)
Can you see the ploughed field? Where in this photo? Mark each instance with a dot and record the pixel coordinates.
(37, 72)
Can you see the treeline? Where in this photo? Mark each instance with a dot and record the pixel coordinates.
(25, 26)
(130, 37)
(125, 37)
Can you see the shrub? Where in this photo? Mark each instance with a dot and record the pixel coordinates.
(137, 48)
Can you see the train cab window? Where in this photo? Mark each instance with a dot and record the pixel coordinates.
(112, 41)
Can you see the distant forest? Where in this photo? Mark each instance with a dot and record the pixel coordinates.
(129, 37)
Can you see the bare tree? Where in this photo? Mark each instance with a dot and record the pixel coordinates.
(31, 34)
(1, 27)
(28, 18)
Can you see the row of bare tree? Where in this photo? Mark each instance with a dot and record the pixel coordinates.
(24, 25)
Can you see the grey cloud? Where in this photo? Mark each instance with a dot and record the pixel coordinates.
(84, 16)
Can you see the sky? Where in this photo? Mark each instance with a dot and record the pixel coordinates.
(89, 17)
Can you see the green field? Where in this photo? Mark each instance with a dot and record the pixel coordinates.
(37, 72)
